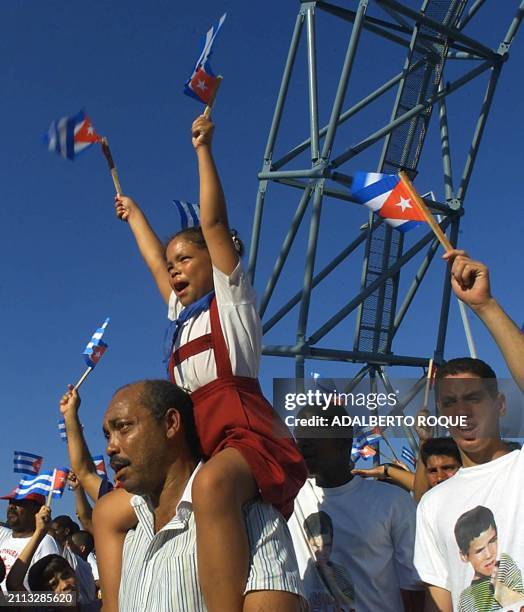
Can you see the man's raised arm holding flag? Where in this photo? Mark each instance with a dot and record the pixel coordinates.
(470, 282)
(79, 456)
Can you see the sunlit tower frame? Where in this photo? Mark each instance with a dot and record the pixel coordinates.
(432, 36)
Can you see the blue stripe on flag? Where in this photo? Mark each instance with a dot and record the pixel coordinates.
(182, 212)
(409, 456)
(22, 454)
(405, 227)
(365, 194)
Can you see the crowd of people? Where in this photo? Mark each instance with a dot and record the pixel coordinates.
(217, 507)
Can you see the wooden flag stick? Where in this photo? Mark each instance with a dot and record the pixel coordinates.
(209, 107)
(428, 384)
(443, 239)
(83, 377)
(50, 494)
(114, 174)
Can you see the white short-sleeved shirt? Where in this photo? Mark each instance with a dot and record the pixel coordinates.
(84, 575)
(236, 301)
(11, 547)
(369, 548)
(497, 486)
(91, 559)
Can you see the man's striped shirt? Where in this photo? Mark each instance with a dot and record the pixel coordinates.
(159, 571)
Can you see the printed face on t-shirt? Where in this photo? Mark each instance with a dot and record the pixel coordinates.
(465, 395)
(321, 546)
(482, 553)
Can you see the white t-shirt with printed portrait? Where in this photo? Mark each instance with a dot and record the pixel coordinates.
(368, 556)
(498, 487)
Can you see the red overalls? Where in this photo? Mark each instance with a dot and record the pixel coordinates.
(232, 412)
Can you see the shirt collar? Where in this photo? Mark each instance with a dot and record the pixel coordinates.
(183, 509)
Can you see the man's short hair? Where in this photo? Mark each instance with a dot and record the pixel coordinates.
(317, 524)
(471, 524)
(441, 447)
(45, 569)
(66, 522)
(469, 365)
(159, 396)
(84, 538)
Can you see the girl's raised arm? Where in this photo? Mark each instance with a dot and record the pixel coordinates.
(213, 212)
(149, 245)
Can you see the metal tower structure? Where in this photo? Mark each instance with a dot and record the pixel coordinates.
(436, 43)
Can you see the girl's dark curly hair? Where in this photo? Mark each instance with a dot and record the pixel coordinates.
(195, 235)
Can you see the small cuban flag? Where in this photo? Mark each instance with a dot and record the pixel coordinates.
(27, 463)
(189, 213)
(40, 484)
(202, 83)
(100, 465)
(71, 135)
(388, 197)
(60, 481)
(367, 451)
(371, 435)
(96, 347)
(409, 456)
(62, 430)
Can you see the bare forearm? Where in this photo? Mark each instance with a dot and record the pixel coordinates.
(112, 517)
(437, 600)
(79, 455)
(400, 476)
(507, 335)
(84, 512)
(152, 251)
(421, 480)
(15, 578)
(212, 201)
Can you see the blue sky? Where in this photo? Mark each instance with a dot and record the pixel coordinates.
(68, 262)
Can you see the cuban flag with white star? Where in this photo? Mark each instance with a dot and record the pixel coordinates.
(27, 463)
(386, 195)
(71, 135)
(202, 83)
(96, 347)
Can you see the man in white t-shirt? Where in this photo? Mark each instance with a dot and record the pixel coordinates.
(470, 529)
(21, 522)
(353, 537)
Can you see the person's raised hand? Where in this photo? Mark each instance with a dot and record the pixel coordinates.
(125, 207)
(73, 481)
(42, 519)
(70, 401)
(469, 279)
(202, 132)
(424, 432)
